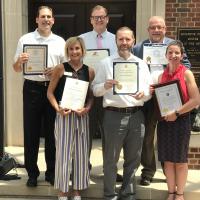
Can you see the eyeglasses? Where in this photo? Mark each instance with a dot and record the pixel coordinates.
(156, 27)
(96, 18)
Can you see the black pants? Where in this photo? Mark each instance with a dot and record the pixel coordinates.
(37, 109)
(148, 156)
(96, 120)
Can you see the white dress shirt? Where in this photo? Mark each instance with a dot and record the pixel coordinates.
(105, 71)
(56, 53)
(108, 41)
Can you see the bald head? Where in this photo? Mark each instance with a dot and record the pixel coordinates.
(158, 19)
(156, 29)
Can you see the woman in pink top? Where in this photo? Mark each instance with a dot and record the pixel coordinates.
(173, 132)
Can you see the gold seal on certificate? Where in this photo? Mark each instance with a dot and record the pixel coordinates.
(154, 56)
(126, 73)
(74, 94)
(168, 97)
(37, 59)
(119, 86)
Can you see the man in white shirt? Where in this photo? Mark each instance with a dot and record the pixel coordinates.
(123, 123)
(36, 107)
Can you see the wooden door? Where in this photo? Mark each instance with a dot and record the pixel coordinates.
(72, 17)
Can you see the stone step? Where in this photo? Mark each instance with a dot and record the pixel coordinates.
(156, 191)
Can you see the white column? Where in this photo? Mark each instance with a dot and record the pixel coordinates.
(146, 9)
(14, 19)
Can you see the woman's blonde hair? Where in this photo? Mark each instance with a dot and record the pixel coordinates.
(71, 41)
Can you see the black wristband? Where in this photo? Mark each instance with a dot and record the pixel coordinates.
(177, 113)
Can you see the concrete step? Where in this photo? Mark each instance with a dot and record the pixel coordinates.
(156, 191)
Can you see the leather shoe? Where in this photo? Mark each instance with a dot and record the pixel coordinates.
(145, 181)
(119, 178)
(50, 179)
(31, 182)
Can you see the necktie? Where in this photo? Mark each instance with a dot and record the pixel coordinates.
(99, 41)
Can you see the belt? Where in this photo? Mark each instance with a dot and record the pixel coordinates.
(40, 83)
(124, 110)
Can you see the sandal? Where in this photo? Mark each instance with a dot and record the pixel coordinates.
(179, 197)
(171, 195)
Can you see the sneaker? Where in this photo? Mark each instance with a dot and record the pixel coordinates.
(76, 198)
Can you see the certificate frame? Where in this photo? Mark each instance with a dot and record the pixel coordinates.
(35, 66)
(93, 57)
(154, 54)
(168, 98)
(127, 74)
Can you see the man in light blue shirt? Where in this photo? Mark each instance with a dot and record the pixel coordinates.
(99, 19)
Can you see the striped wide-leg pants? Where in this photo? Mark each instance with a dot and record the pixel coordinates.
(72, 142)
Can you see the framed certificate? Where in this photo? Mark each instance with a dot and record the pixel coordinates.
(168, 97)
(154, 54)
(74, 94)
(37, 59)
(127, 75)
(93, 57)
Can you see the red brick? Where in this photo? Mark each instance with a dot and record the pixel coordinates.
(197, 24)
(191, 5)
(197, 155)
(192, 15)
(176, 5)
(183, 24)
(193, 161)
(184, 5)
(171, 1)
(170, 14)
(171, 28)
(194, 149)
(184, 14)
(195, 1)
(195, 10)
(190, 155)
(177, 14)
(176, 24)
(184, 9)
(196, 167)
(191, 24)
(190, 167)
(169, 5)
(183, 1)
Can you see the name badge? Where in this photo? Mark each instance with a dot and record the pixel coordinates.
(68, 73)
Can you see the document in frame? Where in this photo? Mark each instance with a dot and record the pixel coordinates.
(127, 75)
(154, 56)
(169, 97)
(74, 94)
(93, 57)
(37, 62)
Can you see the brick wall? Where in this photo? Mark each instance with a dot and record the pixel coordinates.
(184, 14)
(194, 158)
(181, 13)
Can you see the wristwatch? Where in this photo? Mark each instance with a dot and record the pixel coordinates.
(177, 113)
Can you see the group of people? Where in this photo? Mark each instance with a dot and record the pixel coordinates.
(126, 122)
